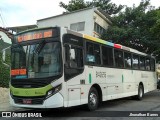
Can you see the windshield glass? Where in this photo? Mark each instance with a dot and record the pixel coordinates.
(36, 61)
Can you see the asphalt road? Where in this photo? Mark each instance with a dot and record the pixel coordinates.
(121, 109)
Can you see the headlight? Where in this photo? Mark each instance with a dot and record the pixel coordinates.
(54, 90)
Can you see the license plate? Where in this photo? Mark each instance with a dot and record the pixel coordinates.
(27, 101)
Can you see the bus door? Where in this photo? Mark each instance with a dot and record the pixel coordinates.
(73, 68)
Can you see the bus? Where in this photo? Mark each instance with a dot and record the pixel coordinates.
(55, 67)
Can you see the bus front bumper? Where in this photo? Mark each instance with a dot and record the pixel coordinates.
(54, 101)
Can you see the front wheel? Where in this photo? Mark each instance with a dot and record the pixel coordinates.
(93, 99)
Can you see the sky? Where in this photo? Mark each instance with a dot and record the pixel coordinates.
(27, 12)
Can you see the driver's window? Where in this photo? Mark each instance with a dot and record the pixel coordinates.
(74, 56)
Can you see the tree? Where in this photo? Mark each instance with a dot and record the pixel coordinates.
(4, 71)
(156, 27)
(105, 5)
(136, 27)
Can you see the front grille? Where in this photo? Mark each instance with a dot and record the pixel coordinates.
(24, 85)
(33, 82)
(28, 83)
(34, 101)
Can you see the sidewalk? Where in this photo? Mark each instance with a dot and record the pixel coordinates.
(4, 101)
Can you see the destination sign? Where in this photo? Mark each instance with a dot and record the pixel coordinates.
(18, 72)
(35, 35)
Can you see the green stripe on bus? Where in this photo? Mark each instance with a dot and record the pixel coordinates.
(122, 78)
(30, 91)
(90, 78)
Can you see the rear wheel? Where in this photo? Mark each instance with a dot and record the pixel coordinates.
(140, 92)
(93, 99)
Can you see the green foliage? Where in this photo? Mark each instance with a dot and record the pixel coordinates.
(74, 5)
(137, 27)
(4, 71)
(156, 27)
(105, 5)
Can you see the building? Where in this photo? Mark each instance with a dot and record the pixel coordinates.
(6, 35)
(18, 29)
(91, 21)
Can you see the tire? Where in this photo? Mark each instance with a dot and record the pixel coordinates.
(140, 92)
(158, 85)
(93, 99)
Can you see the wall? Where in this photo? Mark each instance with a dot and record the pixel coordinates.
(100, 21)
(87, 15)
(66, 20)
(5, 37)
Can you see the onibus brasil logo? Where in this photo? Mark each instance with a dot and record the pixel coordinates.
(13, 114)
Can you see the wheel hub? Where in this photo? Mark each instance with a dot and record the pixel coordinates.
(140, 93)
(93, 99)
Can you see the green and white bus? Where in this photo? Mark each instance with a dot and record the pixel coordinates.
(56, 67)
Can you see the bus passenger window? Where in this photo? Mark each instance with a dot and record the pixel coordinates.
(148, 65)
(107, 56)
(127, 60)
(90, 58)
(97, 54)
(93, 54)
(142, 63)
(135, 62)
(118, 55)
(152, 64)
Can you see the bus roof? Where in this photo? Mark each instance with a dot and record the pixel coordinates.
(98, 40)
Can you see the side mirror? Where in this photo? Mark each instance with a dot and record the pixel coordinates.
(4, 56)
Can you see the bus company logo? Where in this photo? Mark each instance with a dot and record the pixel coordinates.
(6, 114)
(22, 115)
(100, 74)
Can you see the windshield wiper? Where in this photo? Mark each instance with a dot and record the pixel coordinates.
(40, 46)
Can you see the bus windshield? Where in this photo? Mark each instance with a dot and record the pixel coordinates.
(36, 61)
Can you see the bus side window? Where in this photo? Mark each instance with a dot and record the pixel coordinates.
(135, 62)
(148, 64)
(127, 60)
(73, 61)
(118, 55)
(76, 59)
(90, 58)
(97, 54)
(152, 64)
(67, 55)
(107, 56)
(93, 54)
(73, 56)
(142, 63)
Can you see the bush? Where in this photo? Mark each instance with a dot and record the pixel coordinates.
(4, 73)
